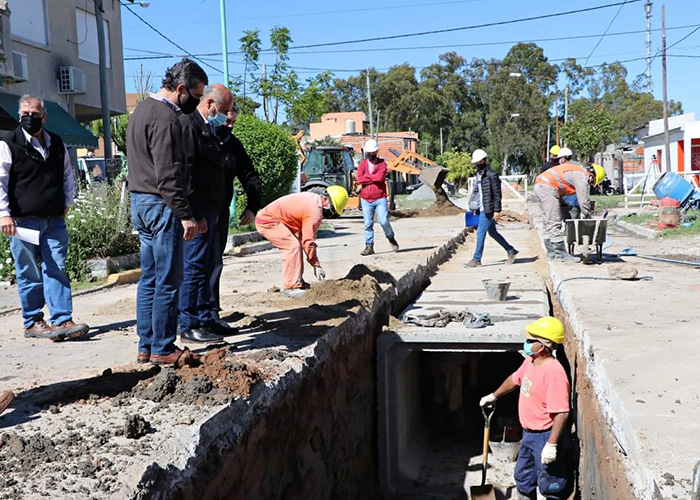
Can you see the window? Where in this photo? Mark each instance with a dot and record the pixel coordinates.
(86, 24)
(28, 20)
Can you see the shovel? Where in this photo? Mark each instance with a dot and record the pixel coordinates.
(484, 491)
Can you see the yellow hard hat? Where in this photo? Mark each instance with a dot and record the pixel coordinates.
(554, 150)
(547, 327)
(339, 198)
(599, 173)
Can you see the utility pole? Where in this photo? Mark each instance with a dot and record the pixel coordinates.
(104, 84)
(648, 11)
(556, 116)
(224, 40)
(663, 64)
(441, 150)
(566, 104)
(369, 105)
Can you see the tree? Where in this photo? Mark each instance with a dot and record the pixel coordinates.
(589, 134)
(119, 125)
(459, 165)
(250, 46)
(310, 102)
(281, 84)
(143, 83)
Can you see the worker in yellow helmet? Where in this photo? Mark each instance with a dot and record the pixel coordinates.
(551, 189)
(544, 459)
(553, 160)
(291, 224)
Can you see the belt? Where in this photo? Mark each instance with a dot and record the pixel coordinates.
(531, 431)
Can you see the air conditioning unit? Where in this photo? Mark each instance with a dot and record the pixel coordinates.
(19, 61)
(71, 80)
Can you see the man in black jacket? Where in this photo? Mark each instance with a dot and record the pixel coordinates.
(237, 164)
(486, 201)
(160, 209)
(204, 160)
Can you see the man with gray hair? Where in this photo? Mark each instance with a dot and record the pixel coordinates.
(203, 158)
(36, 191)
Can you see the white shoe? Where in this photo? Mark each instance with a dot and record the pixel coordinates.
(294, 292)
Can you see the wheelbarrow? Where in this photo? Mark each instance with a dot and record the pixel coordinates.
(586, 236)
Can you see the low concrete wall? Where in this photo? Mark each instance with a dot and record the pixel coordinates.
(311, 434)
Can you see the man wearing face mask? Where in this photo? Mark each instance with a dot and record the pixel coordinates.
(36, 190)
(486, 201)
(543, 408)
(204, 161)
(371, 176)
(237, 164)
(291, 224)
(160, 207)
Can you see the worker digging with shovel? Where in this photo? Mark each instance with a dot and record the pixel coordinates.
(552, 186)
(544, 459)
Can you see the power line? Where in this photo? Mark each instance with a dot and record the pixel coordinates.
(161, 55)
(605, 33)
(168, 39)
(676, 43)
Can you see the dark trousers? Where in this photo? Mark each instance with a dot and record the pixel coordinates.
(195, 298)
(215, 280)
(553, 480)
(160, 234)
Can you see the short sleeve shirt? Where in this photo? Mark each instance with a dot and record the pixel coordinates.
(544, 392)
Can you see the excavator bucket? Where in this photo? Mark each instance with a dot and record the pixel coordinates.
(433, 176)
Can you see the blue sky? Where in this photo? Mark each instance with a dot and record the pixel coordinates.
(195, 26)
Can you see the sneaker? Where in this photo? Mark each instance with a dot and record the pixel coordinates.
(69, 330)
(511, 256)
(294, 292)
(394, 244)
(473, 263)
(40, 330)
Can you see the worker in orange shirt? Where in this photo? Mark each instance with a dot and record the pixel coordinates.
(544, 459)
(291, 223)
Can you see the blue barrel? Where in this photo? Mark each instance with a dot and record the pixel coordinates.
(471, 219)
(673, 186)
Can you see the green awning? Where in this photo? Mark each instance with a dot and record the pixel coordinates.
(59, 122)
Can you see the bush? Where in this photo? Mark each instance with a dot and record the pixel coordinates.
(274, 156)
(95, 230)
(459, 165)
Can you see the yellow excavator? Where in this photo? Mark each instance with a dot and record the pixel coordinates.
(428, 172)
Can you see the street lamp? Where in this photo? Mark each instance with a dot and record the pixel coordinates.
(556, 98)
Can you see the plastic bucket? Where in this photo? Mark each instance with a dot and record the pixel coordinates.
(496, 289)
(471, 219)
(674, 186)
(506, 447)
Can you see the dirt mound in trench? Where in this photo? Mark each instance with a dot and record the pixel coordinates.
(441, 208)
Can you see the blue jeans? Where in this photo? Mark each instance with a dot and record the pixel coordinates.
(381, 208)
(553, 480)
(45, 283)
(196, 304)
(160, 234)
(488, 225)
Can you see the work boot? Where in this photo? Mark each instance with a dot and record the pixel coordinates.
(40, 330)
(69, 330)
(560, 253)
(511, 256)
(473, 263)
(369, 249)
(550, 250)
(394, 244)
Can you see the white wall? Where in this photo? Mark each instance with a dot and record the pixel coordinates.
(86, 25)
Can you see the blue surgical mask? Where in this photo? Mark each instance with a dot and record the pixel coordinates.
(527, 348)
(218, 120)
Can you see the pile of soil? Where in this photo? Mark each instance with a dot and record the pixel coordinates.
(215, 379)
(359, 286)
(511, 216)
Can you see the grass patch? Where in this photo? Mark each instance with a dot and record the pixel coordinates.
(617, 200)
(639, 219)
(402, 202)
(77, 286)
(693, 218)
(241, 229)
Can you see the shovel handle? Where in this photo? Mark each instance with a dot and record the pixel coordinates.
(488, 412)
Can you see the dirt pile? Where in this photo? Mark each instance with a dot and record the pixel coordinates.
(511, 216)
(360, 286)
(215, 379)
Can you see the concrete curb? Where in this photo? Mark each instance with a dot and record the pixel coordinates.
(642, 231)
(237, 431)
(252, 248)
(124, 277)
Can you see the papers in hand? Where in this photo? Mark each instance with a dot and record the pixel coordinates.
(27, 235)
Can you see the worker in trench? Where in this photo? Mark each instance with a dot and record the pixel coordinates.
(544, 461)
(291, 224)
(551, 187)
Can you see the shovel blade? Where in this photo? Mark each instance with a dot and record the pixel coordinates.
(482, 492)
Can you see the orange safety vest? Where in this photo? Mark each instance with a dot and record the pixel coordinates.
(554, 177)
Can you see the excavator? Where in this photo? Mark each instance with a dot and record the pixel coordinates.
(323, 166)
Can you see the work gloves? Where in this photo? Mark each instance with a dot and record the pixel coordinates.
(549, 453)
(489, 400)
(319, 273)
